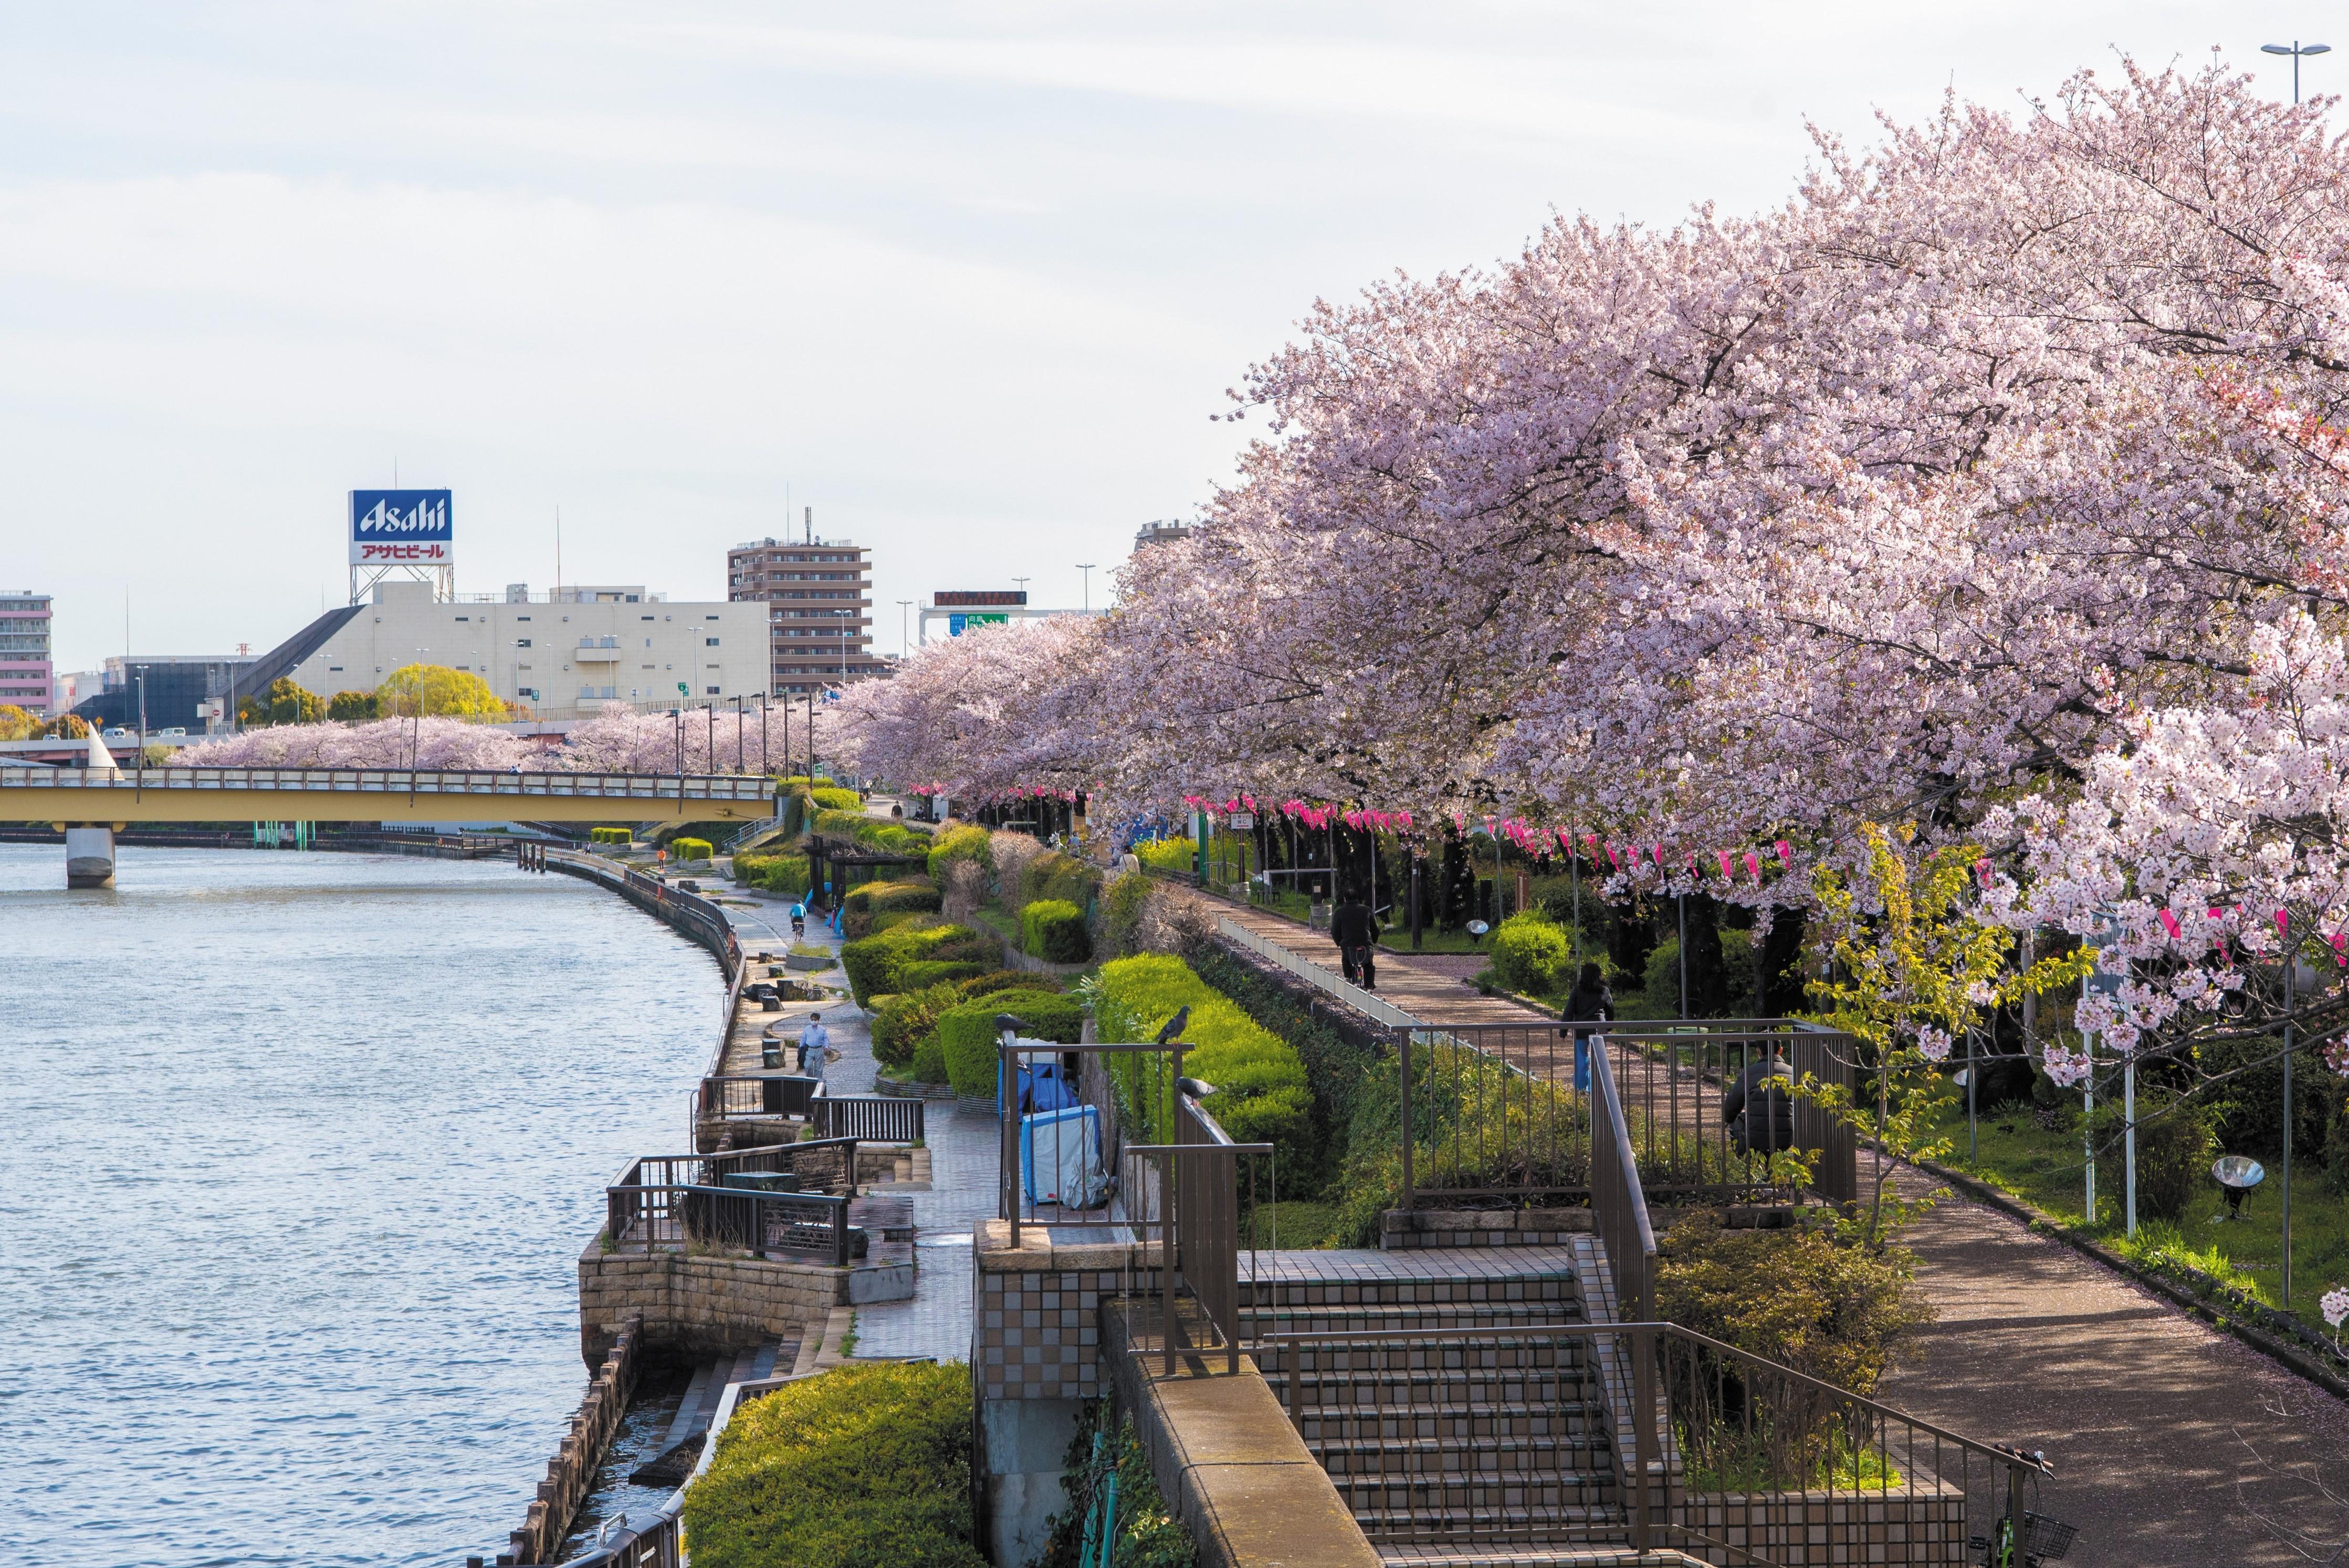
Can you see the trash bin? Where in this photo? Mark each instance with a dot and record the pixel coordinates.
(771, 1055)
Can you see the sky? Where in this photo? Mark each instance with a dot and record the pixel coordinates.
(971, 280)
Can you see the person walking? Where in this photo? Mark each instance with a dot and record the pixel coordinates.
(815, 1047)
(1759, 1108)
(1589, 1002)
(1355, 929)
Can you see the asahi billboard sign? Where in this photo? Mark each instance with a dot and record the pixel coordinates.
(400, 528)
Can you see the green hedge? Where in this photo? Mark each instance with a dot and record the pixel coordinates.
(1009, 980)
(1532, 955)
(690, 849)
(863, 1465)
(1169, 854)
(902, 1021)
(831, 800)
(880, 898)
(930, 1061)
(1262, 1096)
(784, 874)
(876, 964)
(610, 835)
(1053, 929)
(966, 1033)
(928, 972)
(874, 832)
(963, 841)
(1053, 875)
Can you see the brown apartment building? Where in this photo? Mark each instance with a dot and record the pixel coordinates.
(818, 599)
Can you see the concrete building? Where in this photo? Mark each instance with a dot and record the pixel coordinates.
(1162, 531)
(68, 688)
(25, 670)
(566, 653)
(817, 597)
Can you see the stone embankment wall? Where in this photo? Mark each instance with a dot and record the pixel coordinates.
(706, 1305)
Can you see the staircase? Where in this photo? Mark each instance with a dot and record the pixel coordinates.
(1449, 1443)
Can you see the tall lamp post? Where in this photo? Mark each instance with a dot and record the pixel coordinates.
(905, 609)
(2299, 51)
(1087, 568)
(762, 730)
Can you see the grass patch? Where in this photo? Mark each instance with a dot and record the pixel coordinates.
(2049, 1169)
(1730, 1463)
(1298, 1224)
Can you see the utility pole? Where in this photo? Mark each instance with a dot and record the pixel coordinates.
(2299, 51)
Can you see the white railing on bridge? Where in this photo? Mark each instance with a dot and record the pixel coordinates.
(1367, 1002)
(400, 781)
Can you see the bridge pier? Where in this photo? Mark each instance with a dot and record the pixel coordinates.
(90, 856)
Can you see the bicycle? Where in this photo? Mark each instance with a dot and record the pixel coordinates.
(2044, 1540)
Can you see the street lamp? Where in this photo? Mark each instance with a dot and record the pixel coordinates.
(2297, 52)
(762, 730)
(1087, 568)
(905, 609)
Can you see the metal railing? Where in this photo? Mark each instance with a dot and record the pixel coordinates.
(1619, 1204)
(758, 1096)
(1192, 1204)
(403, 780)
(1368, 1003)
(875, 1119)
(1641, 1431)
(1505, 1111)
(647, 1205)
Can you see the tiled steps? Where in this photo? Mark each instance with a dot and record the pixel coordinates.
(1449, 1439)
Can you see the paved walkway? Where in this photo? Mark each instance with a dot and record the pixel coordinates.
(2146, 1413)
(963, 1152)
(1427, 987)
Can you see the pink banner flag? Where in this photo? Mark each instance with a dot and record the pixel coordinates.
(1786, 854)
(1723, 855)
(2169, 920)
(1754, 870)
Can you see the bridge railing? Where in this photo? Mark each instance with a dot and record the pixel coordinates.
(730, 786)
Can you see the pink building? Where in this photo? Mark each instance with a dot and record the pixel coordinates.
(24, 668)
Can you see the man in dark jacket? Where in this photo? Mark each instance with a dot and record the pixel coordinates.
(1758, 1107)
(1588, 1001)
(1355, 930)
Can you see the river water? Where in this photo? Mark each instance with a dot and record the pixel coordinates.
(298, 1153)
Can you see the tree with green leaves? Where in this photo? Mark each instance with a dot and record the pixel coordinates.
(437, 691)
(1911, 967)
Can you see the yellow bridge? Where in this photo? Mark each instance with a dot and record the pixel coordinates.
(90, 805)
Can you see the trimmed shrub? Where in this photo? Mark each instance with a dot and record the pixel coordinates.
(902, 1021)
(876, 964)
(1009, 980)
(926, 972)
(1053, 875)
(1835, 1313)
(833, 799)
(1169, 854)
(966, 1033)
(1533, 956)
(1123, 903)
(610, 835)
(690, 849)
(930, 1061)
(875, 899)
(784, 874)
(1261, 1095)
(1053, 929)
(865, 1464)
(964, 842)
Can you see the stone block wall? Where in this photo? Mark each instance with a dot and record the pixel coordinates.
(699, 1306)
(1403, 1229)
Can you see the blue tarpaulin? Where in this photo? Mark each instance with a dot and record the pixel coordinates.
(1060, 1153)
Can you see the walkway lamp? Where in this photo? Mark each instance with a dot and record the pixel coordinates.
(738, 734)
(1087, 568)
(2297, 52)
(762, 730)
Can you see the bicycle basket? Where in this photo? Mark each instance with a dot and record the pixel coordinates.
(2044, 1538)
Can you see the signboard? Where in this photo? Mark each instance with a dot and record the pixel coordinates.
(400, 528)
(955, 624)
(972, 598)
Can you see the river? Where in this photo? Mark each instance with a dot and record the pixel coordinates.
(297, 1152)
